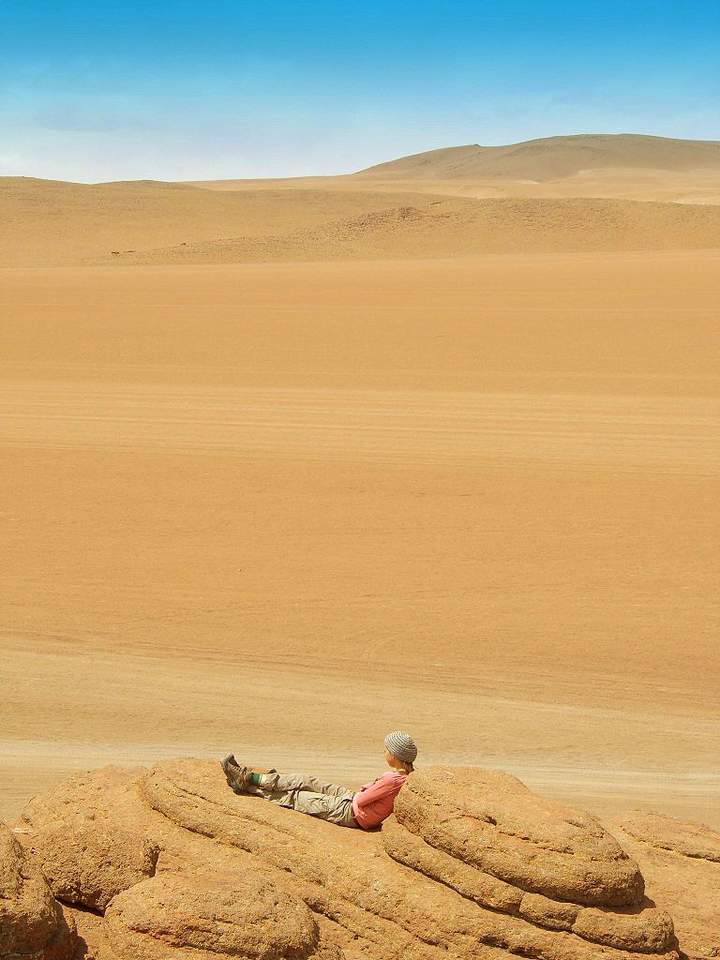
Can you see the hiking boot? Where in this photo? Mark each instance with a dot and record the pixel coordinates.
(237, 777)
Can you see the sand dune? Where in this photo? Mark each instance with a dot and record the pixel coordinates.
(48, 223)
(460, 228)
(554, 157)
(52, 222)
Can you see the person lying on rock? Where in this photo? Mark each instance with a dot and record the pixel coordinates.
(366, 809)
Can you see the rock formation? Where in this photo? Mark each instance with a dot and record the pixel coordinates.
(208, 915)
(87, 860)
(174, 865)
(484, 834)
(32, 923)
(681, 864)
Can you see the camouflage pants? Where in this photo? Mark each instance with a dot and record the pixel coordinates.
(327, 801)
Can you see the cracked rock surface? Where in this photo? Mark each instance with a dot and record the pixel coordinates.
(473, 864)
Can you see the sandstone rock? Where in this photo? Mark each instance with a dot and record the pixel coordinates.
(86, 855)
(681, 862)
(491, 821)
(643, 930)
(95, 861)
(690, 839)
(485, 835)
(416, 905)
(32, 924)
(211, 915)
(90, 932)
(556, 890)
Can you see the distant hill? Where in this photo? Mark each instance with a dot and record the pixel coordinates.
(552, 158)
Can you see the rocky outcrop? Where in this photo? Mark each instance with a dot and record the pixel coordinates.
(490, 821)
(204, 916)
(32, 923)
(681, 864)
(87, 861)
(484, 834)
(667, 833)
(472, 865)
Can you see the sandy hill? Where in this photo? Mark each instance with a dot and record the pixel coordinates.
(554, 157)
(460, 228)
(49, 222)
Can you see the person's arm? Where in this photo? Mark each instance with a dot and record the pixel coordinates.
(378, 790)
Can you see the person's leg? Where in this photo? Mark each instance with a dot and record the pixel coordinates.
(284, 789)
(325, 806)
(334, 803)
(298, 781)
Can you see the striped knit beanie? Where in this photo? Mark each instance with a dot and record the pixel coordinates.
(401, 745)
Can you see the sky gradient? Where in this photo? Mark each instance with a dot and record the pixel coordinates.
(184, 90)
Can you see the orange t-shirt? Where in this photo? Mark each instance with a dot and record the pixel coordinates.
(375, 801)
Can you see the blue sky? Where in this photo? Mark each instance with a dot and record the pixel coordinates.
(188, 90)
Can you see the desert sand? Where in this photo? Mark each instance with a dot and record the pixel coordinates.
(288, 464)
